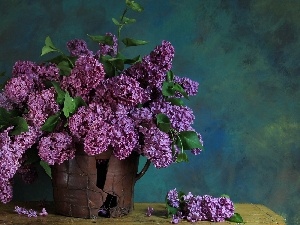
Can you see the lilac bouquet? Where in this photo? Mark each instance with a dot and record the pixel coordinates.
(102, 100)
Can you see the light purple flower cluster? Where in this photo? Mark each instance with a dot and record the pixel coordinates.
(78, 47)
(41, 105)
(18, 88)
(27, 68)
(56, 148)
(30, 212)
(173, 198)
(199, 208)
(11, 151)
(190, 86)
(121, 90)
(85, 77)
(181, 117)
(109, 49)
(156, 146)
(4, 102)
(151, 71)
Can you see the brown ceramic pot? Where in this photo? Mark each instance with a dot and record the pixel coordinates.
(91, 186)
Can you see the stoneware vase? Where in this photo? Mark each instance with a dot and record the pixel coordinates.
(92, 186)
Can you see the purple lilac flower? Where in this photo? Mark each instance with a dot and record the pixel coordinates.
(41, 105)
(149, 212)
(141, 115)
(190, 86)
(78, 47)
(85, 76)
(207, 208)
(181, 117)
(5, 102)
(109, 49)
(48, 72)
(197, 151)
(173, 198)
(17, 89)
(56, 148)
(156, 146)
(27, 68)
(11, 151)
(43, 213)
(122, 90)
(98, 137)
(125, 138)
(24, 211)
(177, 217)
(151, 71)
(6, 191)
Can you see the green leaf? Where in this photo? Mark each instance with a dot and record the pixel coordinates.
(64, 67)
(168, 88)
(175, 101)
(48, 42)
(225, 196)
(4, 117)
(163, 122)
(51, 122)
(46, 167)
(2, 74)
(117, 63)
(236, 218)
(79, 102)
(134, 6)
(182, 157)
(187, 140)
(20, 125)
(116, 22)
(170, 75)
(108, 67)
(180, 89)
(108, 40)
(133, 60)
(133, 42)
(69, 105)
(171, 210)
(60, 93)
(47, 49)
(49, 46)
(127, 20)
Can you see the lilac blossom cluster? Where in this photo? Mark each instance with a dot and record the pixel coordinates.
(30, 212)
(56, 148)
(195, 208)
(151, 71)
(118, 113)
(12, 149)
(109, 49)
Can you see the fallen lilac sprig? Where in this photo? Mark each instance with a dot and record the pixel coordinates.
(30, 212)
(149, 212)
(195, 208)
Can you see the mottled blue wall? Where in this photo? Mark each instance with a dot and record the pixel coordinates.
(245, 54)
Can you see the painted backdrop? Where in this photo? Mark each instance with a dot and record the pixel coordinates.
(244, 54)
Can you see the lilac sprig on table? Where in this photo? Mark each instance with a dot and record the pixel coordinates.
(195, 208)
(30, 212)
(99, 99)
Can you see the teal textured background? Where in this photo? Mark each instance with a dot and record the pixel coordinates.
(245, 55)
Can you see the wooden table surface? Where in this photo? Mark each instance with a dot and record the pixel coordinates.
(252, 214)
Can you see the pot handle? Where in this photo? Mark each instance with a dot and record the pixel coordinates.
(143, 171)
